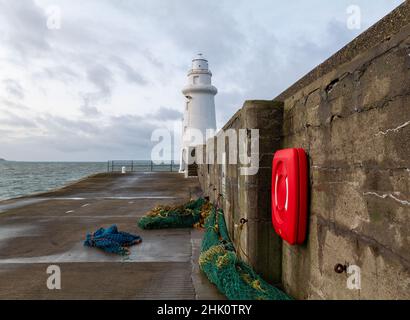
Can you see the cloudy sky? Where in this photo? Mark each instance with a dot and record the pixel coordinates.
(91, 79)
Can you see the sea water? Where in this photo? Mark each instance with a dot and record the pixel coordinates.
(23, 178)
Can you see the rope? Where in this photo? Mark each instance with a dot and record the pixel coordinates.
(239, 246)
(218, 259)
(191, 214)
(221, 264)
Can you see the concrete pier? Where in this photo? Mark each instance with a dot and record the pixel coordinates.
(48, 229)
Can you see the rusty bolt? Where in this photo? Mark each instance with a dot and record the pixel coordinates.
(340, 268)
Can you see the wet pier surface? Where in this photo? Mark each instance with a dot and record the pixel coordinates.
(48, 229)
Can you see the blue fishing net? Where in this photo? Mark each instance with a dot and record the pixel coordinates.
(111, 240)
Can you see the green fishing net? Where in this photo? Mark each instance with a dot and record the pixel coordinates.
(233, 277)
(218, 259)
(184, 216)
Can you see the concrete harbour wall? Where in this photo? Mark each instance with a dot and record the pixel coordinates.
(352, 116)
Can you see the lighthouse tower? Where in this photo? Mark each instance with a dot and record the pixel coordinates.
(199, 111)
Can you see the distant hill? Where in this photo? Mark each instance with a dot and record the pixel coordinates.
(1, 159)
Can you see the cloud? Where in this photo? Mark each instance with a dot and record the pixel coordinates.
(57, 125)
(61, 73)
(94, 88)
(191, 27)
(14, 88)
(6, 104)
(89, 111)
(131, 74)
(165, 114)
(11, 119)
(102, 78)
(126, 136)
(276, 65)
(26, 31)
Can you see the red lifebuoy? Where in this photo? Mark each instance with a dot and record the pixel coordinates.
(289, 195)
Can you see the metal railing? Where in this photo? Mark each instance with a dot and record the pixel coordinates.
(142, 166)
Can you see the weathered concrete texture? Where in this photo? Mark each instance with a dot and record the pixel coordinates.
(49, 228)
(352, 116)
(354, 123)
(248, 196)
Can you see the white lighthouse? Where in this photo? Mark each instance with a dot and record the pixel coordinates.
(199, 115)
